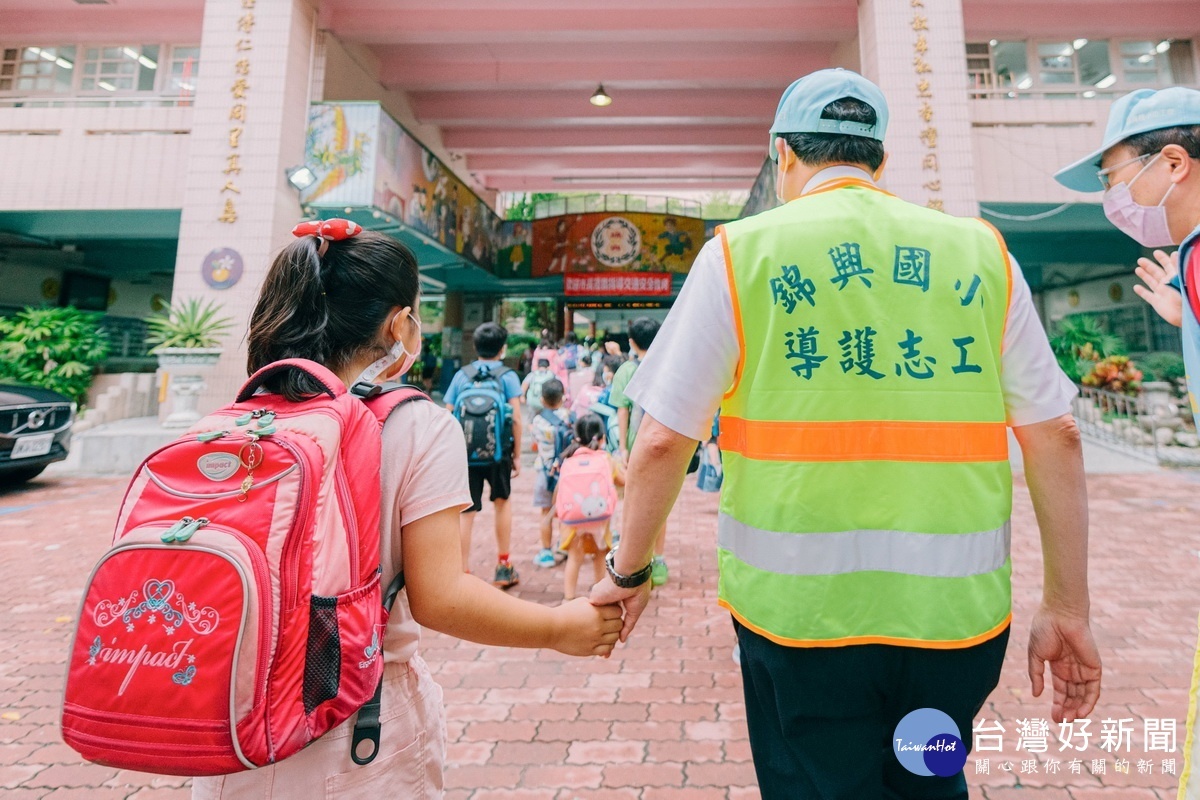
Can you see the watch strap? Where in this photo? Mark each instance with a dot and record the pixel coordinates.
(626, 581)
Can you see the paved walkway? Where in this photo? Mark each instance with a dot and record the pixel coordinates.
(663, 718)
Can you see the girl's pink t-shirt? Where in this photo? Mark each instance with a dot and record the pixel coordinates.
(423, 471)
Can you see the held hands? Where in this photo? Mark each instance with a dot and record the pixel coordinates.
(632, 601)
(1065, 641)
(1164, 299)
(583, 629)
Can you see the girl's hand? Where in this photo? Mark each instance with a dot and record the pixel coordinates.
(1164, 299)
(582, 629)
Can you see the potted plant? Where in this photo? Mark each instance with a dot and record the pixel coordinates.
(186, 339)
(190, 332)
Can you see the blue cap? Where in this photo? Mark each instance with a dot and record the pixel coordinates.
(800, 107)
(1137, 112)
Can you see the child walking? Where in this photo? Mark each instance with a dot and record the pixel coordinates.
(585, 501)
(553, 432)
(348, 301)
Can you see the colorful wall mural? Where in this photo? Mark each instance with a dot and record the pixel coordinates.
(607, 242)
(362, 157)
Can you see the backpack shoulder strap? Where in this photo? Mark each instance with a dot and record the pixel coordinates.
(553, 419)
(390, 397)
(470, 371)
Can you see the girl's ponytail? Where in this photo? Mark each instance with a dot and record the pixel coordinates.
(291, 317)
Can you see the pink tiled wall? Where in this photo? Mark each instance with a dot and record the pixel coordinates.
(77, 162)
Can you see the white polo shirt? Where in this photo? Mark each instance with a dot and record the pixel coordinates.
(692, 362)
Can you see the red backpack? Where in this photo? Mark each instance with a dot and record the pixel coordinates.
(239, 615)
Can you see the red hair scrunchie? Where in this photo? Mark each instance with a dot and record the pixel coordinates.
(327, 230)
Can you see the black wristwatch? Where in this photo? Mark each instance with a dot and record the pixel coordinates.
(625, 581)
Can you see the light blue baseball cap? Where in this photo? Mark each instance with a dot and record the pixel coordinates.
(1137, 112)
(800, 107)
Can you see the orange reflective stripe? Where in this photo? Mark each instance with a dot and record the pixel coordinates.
(737, 313)
(930, 644)
(883, 440)
(1008, 272)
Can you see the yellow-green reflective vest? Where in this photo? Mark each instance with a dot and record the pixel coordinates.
(867, 486)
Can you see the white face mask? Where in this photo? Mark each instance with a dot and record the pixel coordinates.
(397, 353)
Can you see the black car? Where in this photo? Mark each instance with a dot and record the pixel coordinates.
(35, 430)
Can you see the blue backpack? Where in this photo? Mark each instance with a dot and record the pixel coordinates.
(564, 434)
(485, 415)
(605, 410)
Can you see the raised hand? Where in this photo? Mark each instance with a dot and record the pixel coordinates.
(1164, 299)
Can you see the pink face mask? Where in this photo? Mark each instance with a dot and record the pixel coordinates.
(1147, 225)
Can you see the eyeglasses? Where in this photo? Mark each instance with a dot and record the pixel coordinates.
(1105, 174)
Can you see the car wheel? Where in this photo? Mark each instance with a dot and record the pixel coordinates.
(16, 476)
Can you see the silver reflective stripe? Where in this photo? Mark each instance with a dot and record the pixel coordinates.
(938, 555)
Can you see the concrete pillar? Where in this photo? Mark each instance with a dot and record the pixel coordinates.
(453, 345)
(915, 50)
(248, 126)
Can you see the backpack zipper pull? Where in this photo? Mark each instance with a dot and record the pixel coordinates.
(189, 530)
(170, 534)
(244, 419)
(211, 436)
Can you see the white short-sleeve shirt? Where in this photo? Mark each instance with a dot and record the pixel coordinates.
(692, 362)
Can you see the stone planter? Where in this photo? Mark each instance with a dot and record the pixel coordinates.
(186, 367)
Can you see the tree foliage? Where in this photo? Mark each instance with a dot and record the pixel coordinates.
(54, 348)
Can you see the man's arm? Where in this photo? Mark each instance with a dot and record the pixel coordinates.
(1061, 631)
(656, 471)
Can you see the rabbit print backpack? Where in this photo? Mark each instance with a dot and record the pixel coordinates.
(585, 492)
(238, 615)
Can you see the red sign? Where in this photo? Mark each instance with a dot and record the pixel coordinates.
(623, 284)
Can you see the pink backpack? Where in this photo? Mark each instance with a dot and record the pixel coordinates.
(557, 366)
(585, 493)
(239, 615)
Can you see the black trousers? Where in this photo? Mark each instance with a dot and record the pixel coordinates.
(821, 719)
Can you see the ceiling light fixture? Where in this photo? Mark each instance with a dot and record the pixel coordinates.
(600, 97)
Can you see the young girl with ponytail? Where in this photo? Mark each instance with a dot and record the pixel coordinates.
(586, 499)
(347, 299)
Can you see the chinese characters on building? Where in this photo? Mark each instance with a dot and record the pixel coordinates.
(1064, 743)
(929, 134)
(239, 90)
(648, 283)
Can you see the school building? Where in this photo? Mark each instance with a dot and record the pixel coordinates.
(159, 150)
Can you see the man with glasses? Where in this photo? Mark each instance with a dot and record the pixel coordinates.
(1149, 170)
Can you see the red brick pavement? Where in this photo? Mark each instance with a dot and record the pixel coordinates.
(663, 718)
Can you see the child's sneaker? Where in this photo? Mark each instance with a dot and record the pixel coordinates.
(658, 571)
(560, 556)
(506, 576)
(545, 558)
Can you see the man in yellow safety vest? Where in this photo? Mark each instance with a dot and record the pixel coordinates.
(867, 356)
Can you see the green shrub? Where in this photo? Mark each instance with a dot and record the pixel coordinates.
(1079, 342)
(1163, 367)
(54, 348)
(519, 341)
